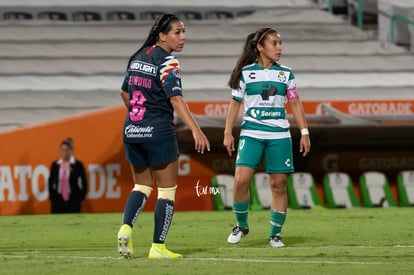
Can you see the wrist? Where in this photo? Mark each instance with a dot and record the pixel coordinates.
(304, 131)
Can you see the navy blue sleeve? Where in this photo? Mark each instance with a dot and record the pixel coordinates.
(171, 78)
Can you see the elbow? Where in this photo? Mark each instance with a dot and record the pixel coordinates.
(125, 97)
(175, 101)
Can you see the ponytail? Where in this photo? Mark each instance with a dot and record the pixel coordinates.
(161, 25)
(249, 55)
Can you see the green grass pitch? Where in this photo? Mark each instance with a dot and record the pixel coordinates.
(318, 241)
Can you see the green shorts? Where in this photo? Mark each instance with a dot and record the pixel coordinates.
(277, 154)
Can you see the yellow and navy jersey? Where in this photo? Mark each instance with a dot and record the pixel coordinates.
(264, 93)
(152, 78)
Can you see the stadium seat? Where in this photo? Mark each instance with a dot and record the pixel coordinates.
(189, 15)
(17, 15)
(224, 199)
(150, 15)
(120, 16)
(375, 190)
(52, 15)
(86, 16)
(339, 191)
(302, 192)
(219, 15)
(244, 13)
(405, 188)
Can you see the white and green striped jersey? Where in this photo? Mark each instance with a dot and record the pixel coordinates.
(264, 92)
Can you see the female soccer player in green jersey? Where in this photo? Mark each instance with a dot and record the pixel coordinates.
(264, 86)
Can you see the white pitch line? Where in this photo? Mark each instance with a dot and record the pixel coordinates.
(61, 257)
(34, 254)
(281, 261)
(200, 259)
(321, 247)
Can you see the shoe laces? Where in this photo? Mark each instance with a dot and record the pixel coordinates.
(238, 229)
(276, 238)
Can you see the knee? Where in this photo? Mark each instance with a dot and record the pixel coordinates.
(278, 186)
(241, 184)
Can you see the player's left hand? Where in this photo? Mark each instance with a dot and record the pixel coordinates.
(305, 145)
(201, 142)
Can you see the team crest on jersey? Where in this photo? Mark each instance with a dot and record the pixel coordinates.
(282, 76)
(176, 72)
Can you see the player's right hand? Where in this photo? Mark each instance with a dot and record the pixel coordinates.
(228, 142)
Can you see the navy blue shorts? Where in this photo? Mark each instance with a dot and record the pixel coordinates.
(151, 154)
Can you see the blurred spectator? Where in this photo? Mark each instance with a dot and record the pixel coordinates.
(67, 181)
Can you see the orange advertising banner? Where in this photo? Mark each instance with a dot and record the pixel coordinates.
(352, 107)
(27, 153)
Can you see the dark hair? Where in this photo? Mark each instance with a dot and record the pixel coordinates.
(249, 54)
(68, 142)
(161, 25)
